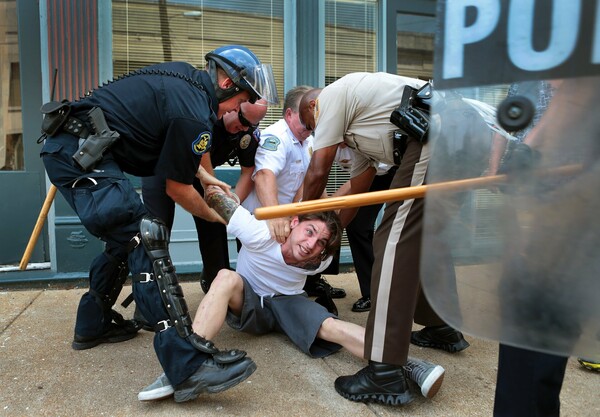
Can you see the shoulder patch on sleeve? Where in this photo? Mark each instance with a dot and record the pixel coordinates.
(202, 143)
(270, 143)
(245, 141)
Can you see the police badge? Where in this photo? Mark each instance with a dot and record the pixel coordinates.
(245, 141)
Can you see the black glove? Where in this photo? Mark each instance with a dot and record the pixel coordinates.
(519, 159)
(518, 163)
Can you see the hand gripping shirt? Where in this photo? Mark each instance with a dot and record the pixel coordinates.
(287, 157)
(260, 260)
(356, 110)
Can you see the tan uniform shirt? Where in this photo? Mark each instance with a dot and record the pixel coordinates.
(356, 109)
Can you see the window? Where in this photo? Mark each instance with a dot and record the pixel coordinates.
(414, 39)
(350, 37)
(350, 46)
(11, 125)
(147, 32)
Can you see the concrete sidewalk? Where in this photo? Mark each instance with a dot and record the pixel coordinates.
(40, 375)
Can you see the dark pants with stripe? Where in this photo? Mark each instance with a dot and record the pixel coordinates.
(395, 275)
(360, 233)
(395, 283)
(111, 210)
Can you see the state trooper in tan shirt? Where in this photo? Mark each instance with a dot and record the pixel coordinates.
(356, 110)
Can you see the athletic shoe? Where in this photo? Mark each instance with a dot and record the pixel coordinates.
(439, 337)
(429, 377)
(159, 389)
(212, 377)
(589, 364)
(378, 383)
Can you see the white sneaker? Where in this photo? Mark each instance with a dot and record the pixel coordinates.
(427, 375)
(159, 389)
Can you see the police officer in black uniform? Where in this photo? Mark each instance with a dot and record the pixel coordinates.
(158, 119)
(235, 139)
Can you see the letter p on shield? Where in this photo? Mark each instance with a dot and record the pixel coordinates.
(458, 34)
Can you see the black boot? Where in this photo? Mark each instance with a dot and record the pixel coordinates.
(212, 377)
(363, 304)
(205, 282)
(379, 382)
(118, 330)
(439, 337)
(326, 301)
(316, 285)
(143, 323)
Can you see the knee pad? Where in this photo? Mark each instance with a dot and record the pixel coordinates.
(155, 238)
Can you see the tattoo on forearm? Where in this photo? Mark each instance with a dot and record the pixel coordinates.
(222, 204)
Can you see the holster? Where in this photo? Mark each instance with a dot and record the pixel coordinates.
(93, 147)
(411, 116)
(55, 114)
(57, 118)
(400, 141)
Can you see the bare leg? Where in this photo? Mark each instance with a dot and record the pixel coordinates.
(226, 291)
(349, 335)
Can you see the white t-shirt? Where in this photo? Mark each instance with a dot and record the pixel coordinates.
(284, 155)
(260, 260)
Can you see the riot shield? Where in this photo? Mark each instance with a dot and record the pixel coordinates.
(515, 262)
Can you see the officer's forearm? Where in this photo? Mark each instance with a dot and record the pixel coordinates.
(265, 185)
(188, 198)
(317, 174)
(314, 185)
(206, 164)
(245, 184)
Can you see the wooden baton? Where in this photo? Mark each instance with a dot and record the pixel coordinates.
(39, 225)
(378, 197)
(45, 207)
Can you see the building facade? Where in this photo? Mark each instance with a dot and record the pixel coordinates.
(63, 48)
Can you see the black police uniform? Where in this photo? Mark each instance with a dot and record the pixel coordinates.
(165, 122)
(212, 236)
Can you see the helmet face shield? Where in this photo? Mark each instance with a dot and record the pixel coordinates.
(262, 82)
(246, 71)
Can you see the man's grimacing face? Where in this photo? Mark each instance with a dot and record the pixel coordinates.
(307, 239)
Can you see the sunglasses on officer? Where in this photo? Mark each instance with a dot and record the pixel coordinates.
(245, 122)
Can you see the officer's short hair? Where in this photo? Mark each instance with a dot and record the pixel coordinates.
(293, 97)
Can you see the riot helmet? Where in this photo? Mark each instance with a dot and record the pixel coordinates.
(245, 70)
